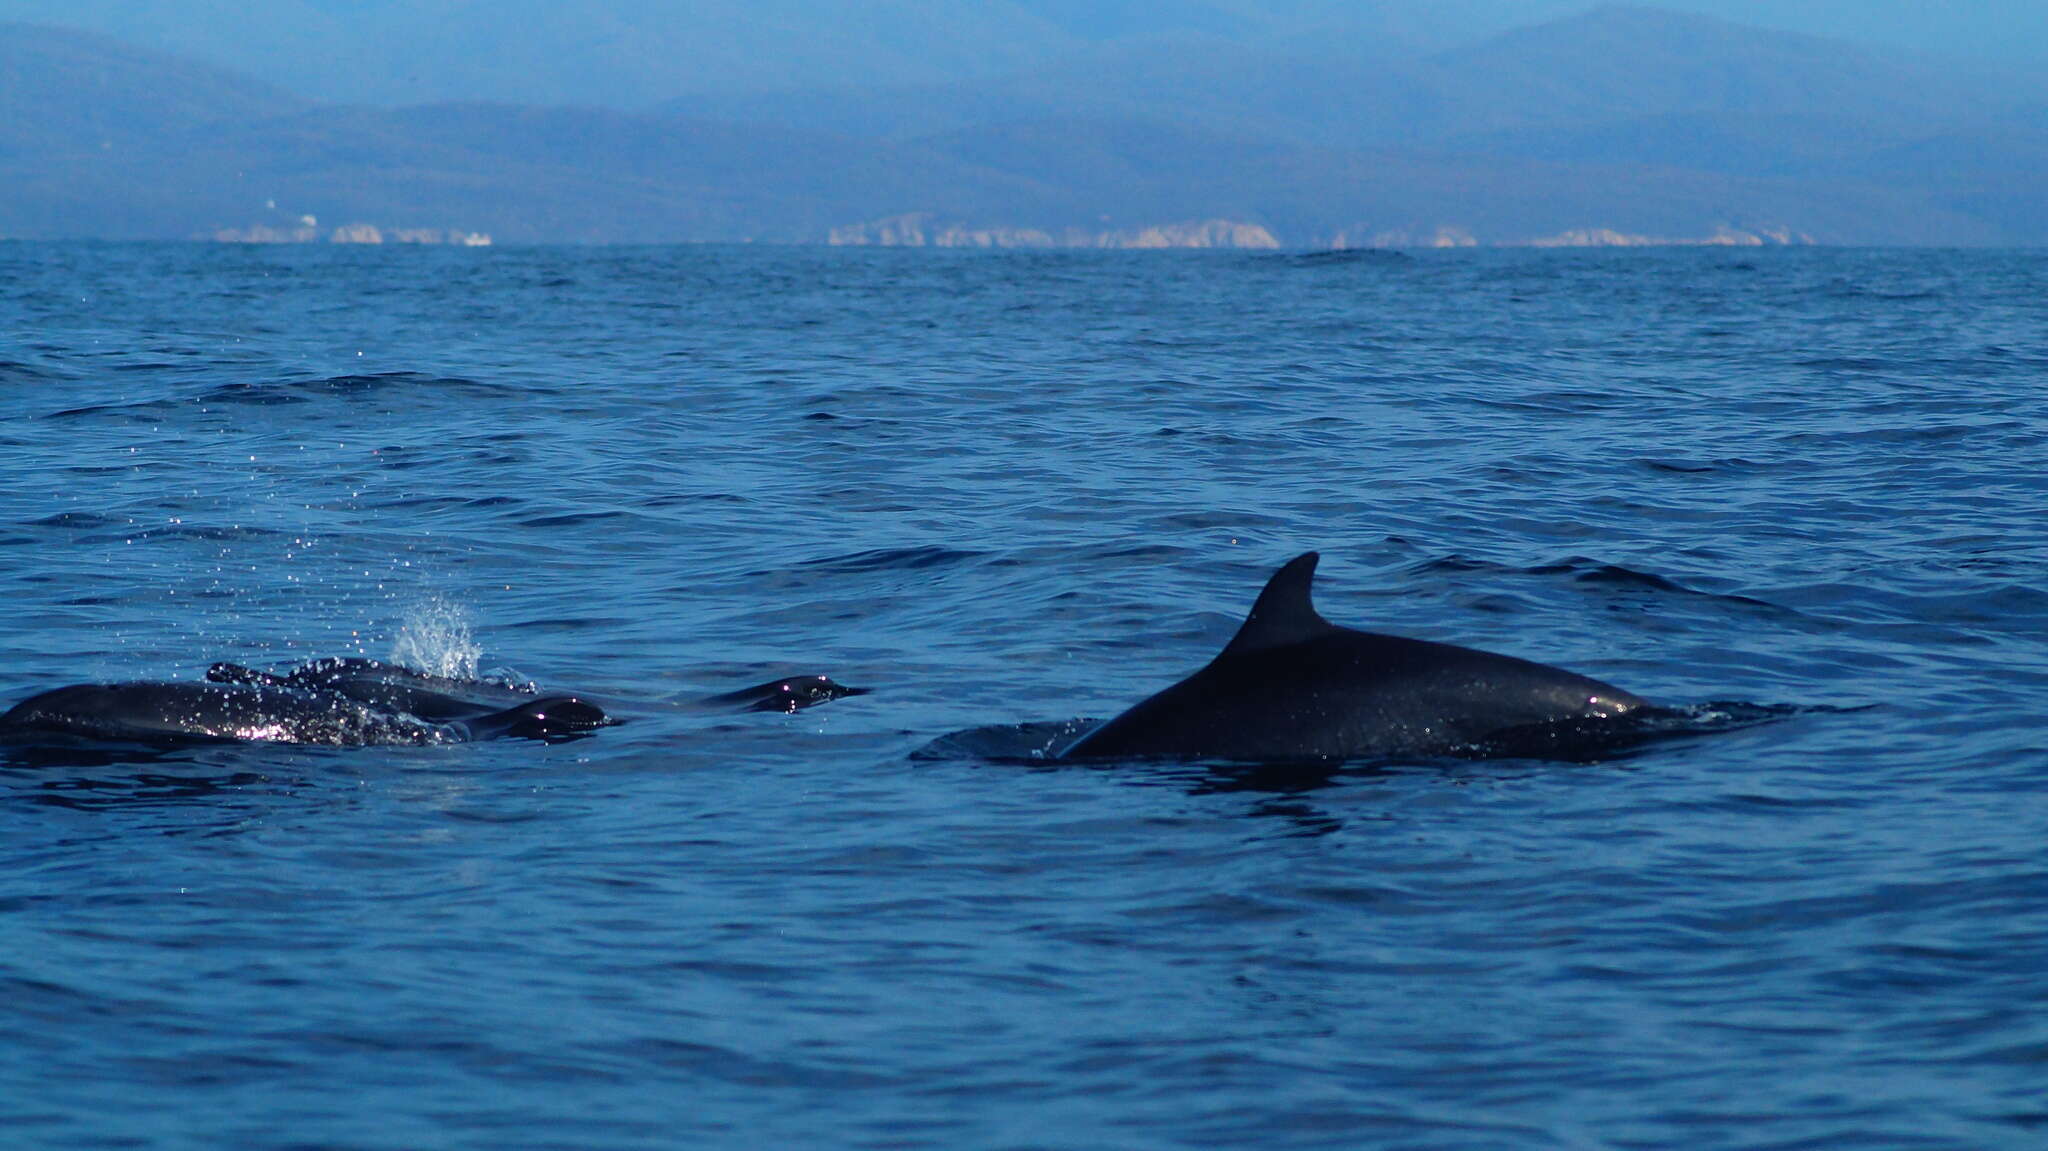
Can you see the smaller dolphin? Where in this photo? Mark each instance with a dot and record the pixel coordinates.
(791, 694)
(1294, 686)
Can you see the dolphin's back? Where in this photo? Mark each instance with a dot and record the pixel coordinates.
(1348, 694)
(151, 712)
(386, 687)
(1292, 685)
(341, 703)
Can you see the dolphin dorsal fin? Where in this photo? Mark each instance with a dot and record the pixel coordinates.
(1283, 613)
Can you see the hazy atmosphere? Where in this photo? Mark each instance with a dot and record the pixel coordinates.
(631, 54)
(1020, 125)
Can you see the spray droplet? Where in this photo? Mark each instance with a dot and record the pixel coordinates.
(436, 638)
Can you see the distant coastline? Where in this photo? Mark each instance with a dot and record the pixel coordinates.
(1620, 126)
(307, 230)
(923, 229)
(928, 230)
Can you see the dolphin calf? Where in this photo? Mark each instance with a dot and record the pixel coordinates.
(791, 694)
(1294, 686)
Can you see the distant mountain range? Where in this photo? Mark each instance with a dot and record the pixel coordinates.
(632, 53)
(1616, 125)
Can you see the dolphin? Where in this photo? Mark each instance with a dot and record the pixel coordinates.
(346, 702)
(790, 694)
(1294, 686)
(434, 697)
(170, 712)
(388, 686)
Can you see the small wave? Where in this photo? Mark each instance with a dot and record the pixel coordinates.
(133, 785)
(685, 499)
(1904, 433)
(214, 533)
(1697, 467)
(730, 1065)
(1998, 605)
(72, 520)
(1584, 570)
(1591, 571)
(153, 409)
(1846, 364)
(1007, 742)
(1337, 257)
(343, 386)
(1615, 575)
(573, 623)
(569, 519)
(1160, 555)
(1846, 290)
(1455, 562)
(417, 503)
(892, 559)
(285, 392)
(1563, 401)
(17, 372)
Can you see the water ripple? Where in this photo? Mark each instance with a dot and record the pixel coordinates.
(1008, 490)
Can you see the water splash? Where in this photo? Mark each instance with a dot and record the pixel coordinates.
(436, 638)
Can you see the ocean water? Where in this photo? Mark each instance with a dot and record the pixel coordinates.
(1004, 489)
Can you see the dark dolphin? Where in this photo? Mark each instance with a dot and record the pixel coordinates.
(387, 686)
(1294, 686)
(345, 702)
(790, 694)
(280, 712)
(435, 697)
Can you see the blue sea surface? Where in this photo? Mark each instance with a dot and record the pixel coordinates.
(1009, 488)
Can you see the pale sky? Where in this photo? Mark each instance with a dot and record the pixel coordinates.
(2007, 29)
(635, 52)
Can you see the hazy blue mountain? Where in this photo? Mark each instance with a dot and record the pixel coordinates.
(1640, 85)
(633, 53)
(1619, 60)
(64, 90)
(1772, 127)
(1151, 172)
(1636, 120)
(519, 173)
(1582, 74)
(1319, 99)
